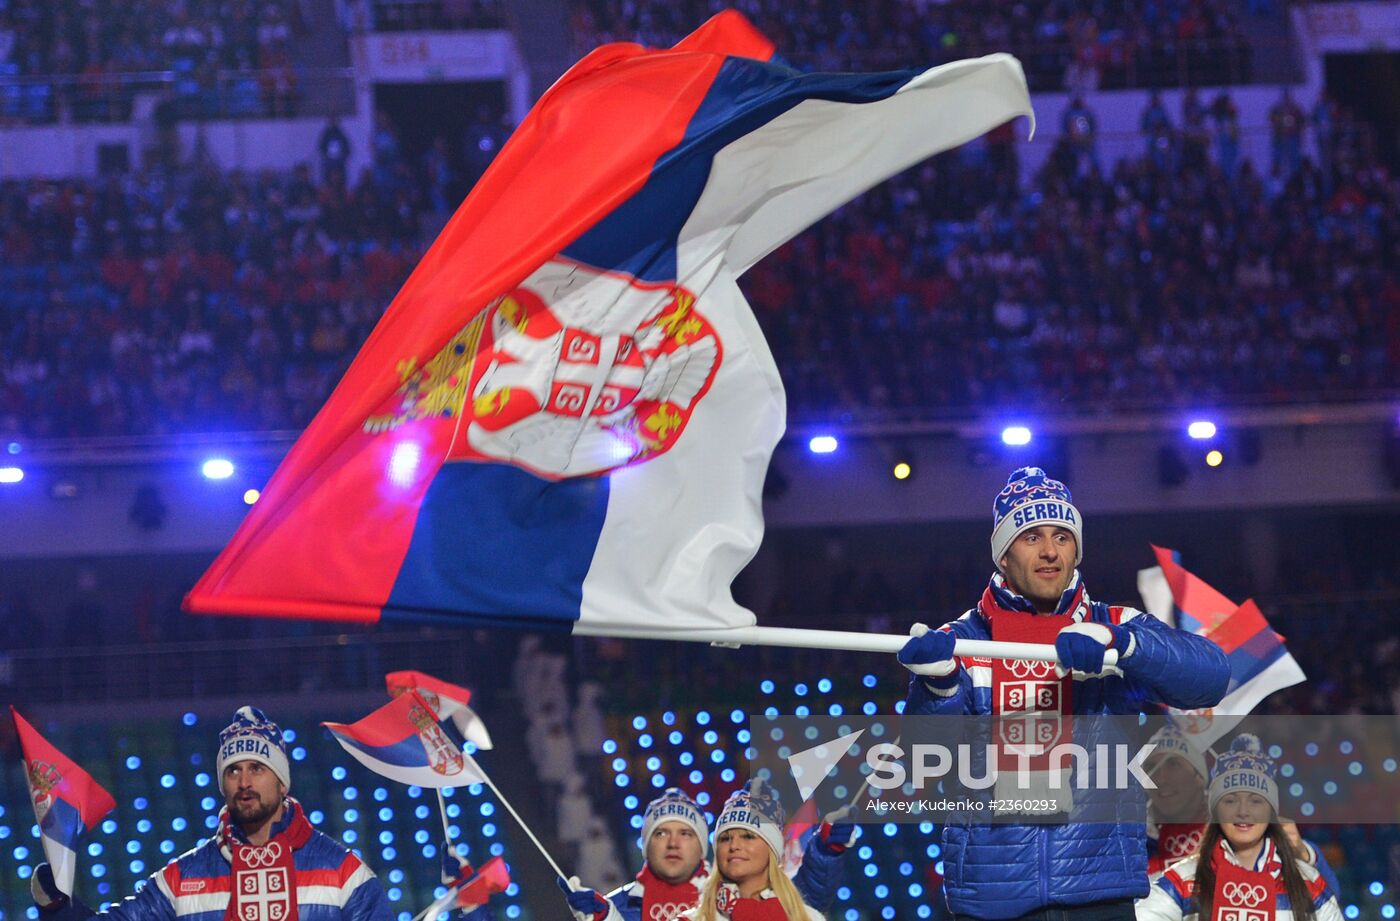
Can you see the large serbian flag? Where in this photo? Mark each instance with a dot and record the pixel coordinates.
(1260, 663)
(67, 801)
(566, 414)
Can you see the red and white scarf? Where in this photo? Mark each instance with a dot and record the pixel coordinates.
(264, 877)
(663, 901)
(1245, 894)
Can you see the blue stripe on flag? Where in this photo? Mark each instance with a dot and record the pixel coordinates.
(1247, 663)
(496, 541)
(407, 753)
(62, 823)
(639, 236)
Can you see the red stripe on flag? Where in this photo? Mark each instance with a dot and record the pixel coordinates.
(398, 682)
(1245, 623)
(1191, 593)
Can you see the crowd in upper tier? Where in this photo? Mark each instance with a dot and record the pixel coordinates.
(188, 299)
(1063, 44)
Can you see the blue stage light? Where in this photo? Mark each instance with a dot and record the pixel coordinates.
(1016, 436)
(1201, 430)
(800, 689)
(801, 711)
(316, 817)
(727, 775)
(669, 718)
(675, 738)
(639, 723)
(766, 686)
(167, 780)
(421, 837)
(217, 468)
(1376, 888)
(421, 812)
(644, 740)
(488, 809)
(10, 475)
(143, 826)
(622, 780)
(686, 759)
(835, 710)
(132, 762)
(350, 793)
(141, 803)
(882, 891)
(337, 773)
(737, 716)
(703, 718)
(454, 811)
(658, 781)
(822, 444)
(631, 802)
(380, 794)
(868, 681)
(609, 746)
(178, 823)
(497, 849)
(349, 836)
(386, 814)
(824, 685)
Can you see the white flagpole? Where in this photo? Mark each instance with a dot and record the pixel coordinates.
(521, 822)
(847, 640)
(442, 811)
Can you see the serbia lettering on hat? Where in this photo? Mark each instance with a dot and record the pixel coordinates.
(1030, 499)
(673, 805)
(1244, 768)
(754, 808)
(253, 737)
(1172, 742)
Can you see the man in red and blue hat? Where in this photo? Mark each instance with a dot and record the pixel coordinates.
(1070, 871)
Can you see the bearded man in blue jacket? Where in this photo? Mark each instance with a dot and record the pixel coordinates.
(265, 861)
(1052, 872)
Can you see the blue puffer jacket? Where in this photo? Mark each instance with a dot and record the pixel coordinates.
(1005, 871)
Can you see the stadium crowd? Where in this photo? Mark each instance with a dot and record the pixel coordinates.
(190, 299)
(234, 58)
(1064, 44)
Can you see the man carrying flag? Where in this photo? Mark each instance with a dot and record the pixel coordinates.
(1071, 871)
(264, 863)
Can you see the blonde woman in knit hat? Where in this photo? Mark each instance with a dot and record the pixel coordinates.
(1247, 867)
(749, 883)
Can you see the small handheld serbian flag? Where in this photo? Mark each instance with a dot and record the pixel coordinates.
(566, 415)
(405, 740)
(67, 801)
(447, 700)
(1260, 663)
(472, 893)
